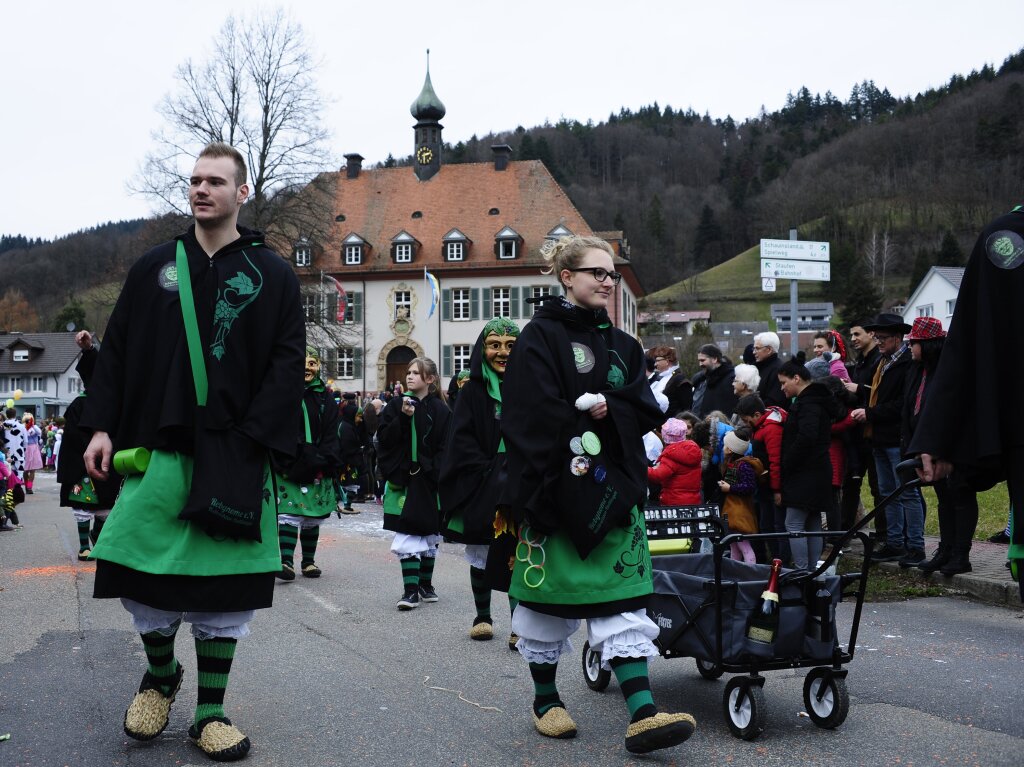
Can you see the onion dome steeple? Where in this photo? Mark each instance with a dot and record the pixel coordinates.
(427, 105)
(428, 111)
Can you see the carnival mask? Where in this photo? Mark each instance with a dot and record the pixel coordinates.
(312, 369)
(496, 351)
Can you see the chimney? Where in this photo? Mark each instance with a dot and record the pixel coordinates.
(501, 154)
(355, 164)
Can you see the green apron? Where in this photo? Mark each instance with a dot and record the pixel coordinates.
(315, 499)
(143, 531)
(548, 569)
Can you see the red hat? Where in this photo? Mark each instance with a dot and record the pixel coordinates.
(925, 328)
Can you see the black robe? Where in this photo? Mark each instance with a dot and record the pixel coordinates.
(322, 455)
(473, 472)
(142, 393)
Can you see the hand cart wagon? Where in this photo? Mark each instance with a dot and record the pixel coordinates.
(702, 604)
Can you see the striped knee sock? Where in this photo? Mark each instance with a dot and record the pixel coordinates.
(410, 574)
(83, 535)
(213, 660)
(160, 656)
(544, 690)
(309, 536)
(426, 570)
(288, 535)
(481, 594)
(631, 674)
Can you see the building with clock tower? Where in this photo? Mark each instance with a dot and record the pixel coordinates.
(475, 228)
(428, 111)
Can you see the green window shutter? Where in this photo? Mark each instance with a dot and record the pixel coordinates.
(527, 308)
(474, 304)
(330, 306)
(446, 304)
(357, 362)
(514, 302)
(357, 306)
(487, 303)
(446, 361)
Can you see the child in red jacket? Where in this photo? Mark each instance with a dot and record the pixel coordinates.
(678, 467)
(766, 424)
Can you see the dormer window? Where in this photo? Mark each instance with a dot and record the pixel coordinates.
(20, 355)
(352, 249)
(403, 247)
(455, 246)
(557, 232)
(507, 243)
(303, 253)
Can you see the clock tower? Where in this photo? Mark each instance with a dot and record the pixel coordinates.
(428, 111)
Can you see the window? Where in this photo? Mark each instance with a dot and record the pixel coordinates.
(38, 384)
(311, 307)
(453, 251)
(403, 253)
(537, 291)
(20, 355)
(928, 310)
(403, 304)
(353, 255)
(460, 303)
(507, 248)
(501, 301)
(460, 357)
(75, 386)
(16, 383)
(950, 306)
(303, 254)
(354, 308)
(346, 363)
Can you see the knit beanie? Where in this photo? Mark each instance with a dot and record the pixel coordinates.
(734, 444)
(673, 430)
(819, 366)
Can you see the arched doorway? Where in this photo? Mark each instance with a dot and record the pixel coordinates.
(397, 364)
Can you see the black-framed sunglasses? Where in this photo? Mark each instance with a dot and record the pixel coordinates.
(600, 273)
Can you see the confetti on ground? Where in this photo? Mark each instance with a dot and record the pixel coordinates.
(459, 693)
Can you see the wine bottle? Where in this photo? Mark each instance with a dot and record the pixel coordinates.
(764, 621)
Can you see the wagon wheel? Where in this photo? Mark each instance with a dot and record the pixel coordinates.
(826, 698)
(708, 669)
(744, 708)
(596, 677)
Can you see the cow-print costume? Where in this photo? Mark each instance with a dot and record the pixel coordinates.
(14, 442)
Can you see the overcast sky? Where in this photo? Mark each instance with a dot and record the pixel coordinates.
(80, 81)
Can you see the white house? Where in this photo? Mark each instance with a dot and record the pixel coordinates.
(477, 228)
(935, 296)
(42, 367)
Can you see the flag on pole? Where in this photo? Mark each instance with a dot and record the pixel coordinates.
(342, 298)
(435, 291)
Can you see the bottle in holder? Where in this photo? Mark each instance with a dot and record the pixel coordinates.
(763, 625)
(820, 613)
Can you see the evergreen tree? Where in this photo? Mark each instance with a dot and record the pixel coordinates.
(706, 235)
(655, 220)
(72, 313)
(861, 299)
(923, 260)
(949, 253)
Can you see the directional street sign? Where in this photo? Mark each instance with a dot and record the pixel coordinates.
(768, 284)
(794, 250)
(795, 270)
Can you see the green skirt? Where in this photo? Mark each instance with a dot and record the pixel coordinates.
(314, 499)
(548, 572)
(143, 531)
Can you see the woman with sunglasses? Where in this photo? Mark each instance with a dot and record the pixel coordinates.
(576, 405)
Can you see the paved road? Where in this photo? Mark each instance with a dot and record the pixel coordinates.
(334, 675)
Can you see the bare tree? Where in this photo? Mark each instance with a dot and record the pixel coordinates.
(257, 92)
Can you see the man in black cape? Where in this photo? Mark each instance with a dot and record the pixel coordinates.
(972, 415)
(214, 566)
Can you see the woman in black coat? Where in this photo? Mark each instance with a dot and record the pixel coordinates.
(806, 466)
(416, 420)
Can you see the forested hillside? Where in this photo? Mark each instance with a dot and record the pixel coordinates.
(895, 183)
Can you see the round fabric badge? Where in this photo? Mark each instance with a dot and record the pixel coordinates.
(591, 443)
(168, 277)
(600, 474)
(576, 445)
(1005, 249)
(579, 465)
(583, 356)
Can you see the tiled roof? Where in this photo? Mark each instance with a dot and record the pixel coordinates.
(670, 318)
(952, 273)
(49, 352)
(380, 203)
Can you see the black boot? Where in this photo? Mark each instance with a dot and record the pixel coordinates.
(941, 557)
(959, 562)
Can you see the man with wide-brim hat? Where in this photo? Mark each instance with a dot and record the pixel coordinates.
(882, 419)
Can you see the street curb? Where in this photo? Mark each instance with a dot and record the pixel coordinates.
(1004, 593)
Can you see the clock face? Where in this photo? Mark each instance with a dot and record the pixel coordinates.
(424, 155)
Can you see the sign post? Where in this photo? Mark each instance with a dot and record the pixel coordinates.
(793, 260)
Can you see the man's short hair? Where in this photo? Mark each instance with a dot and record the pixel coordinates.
(769, 339)
(664, 351)
(792, 369)
(220, 149)
(748, 405)
(712, 351)
(11, 412)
